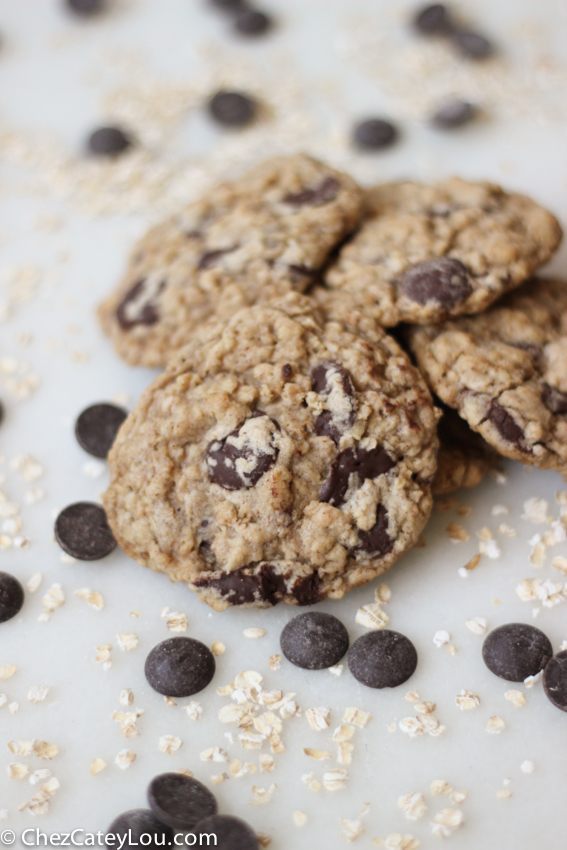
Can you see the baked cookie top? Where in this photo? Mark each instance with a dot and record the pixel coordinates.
(244, 242)
(278, 457)
(426, 253)
(505, 371)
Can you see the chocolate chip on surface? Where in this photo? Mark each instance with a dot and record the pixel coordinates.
(1, 412)
(180, 801)
(445, 281)
(505, 424)
(11, 596)
(382, 659)
(473, 44)
(316, 196)
(239, 460)
(365, 463)
(374, 134)
(515, 651)
(555, 680)
(86, 7)
(454, 113)
(233, 109)
(136, 823)
(231, 833)
(96, 428)
(434, 19)
(252, 23)
(82, 530)
(108, 141)
(231, 6)
(140, 304)
(314, 641)
(554, 399)
(376, 541)
(180, 667)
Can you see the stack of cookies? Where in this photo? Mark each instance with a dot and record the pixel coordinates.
(290, 449)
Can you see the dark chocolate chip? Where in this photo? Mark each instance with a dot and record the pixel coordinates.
(516, 651)
(555, 680)
(506, 425)
(223, 456)
(97, 427)
(232, 108)
(444, 281)
(314, 641)
(374, 134)
(1, 412)
(382, 659)
(108, 141)
(179, 667)
(287, 370)
(180, 801)
(433, 20)
(362, 462)
(209, 258)
(231, 833)
(376, 541)
(83, 532)
(86, 7)
(454, 113)
(140, 305)
(136, 823)
(554, 399)
(11, 596)
(252, 23)
(317, 196)
(326, 378)
(231, 6)
(473, 44)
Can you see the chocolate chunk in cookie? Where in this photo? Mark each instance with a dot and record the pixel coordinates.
(334, 383)
(361, 463)
(445, 281)
(240, 459)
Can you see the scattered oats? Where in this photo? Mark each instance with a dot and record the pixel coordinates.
(472, 564)
(517, 698)
(413, 805)
(251, 741)
(43, 750)
(34, 582)
(126, 696)
(441, 638)
(466, 700)
(343, 733)
(336, 669)
(7, 671)
(54, 598)
(17, 771)
(316, 754)
(51, 786)
(217, 648)
(3, 700)
(546, 591)
(135, 614)
(21, 748)
(495, 601)
(311, 780)
(456, 533)
(67, 559)
(125, 758)
(446, 822)
(351, 829)
(5, 541)
(383, 593)
(103, 652)
(431, 725)
(127, 722)
(560, 564)
(267, 763)
(506, 530)
(536, 510)
(261, 795)
(356, 716)
(38, 805)
(268, 724)
(335, 780)
(530, 681)
(318, 718)
(452, 650)
(299, 818)
(94, 468)
(275, 662)
(477, 625)
(497, 510)
(490, 548)
(21, 542)
(344, 752)
(127, 641)
(31, 470)
(97, 765)
(391, 727)
(537, 555)
(503, 794)
(397, 841)
(194, 710)
(264, 840)
(372, 617)
(217, 778)
(412, 726)
(214, 754)
(425, 707)
(254, 634)
(440, 786)
(175, 621)
(495, 725)
(14, 707)
(484, 533)
(91, 597)
(37, 693)
(169, 700)
(458, 797)
(169, 744)
(412, 696)
(39, 775)
(527, 766)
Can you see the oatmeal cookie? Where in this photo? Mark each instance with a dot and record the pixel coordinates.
(464, 457)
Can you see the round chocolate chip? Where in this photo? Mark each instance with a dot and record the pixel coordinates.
(11, 596)
(314, 641)
(554, 399)
(108, 141)
(454, 113)
(506, 425)
(473, 44)
(232, 108)
(374, 134)
(516, 651)
(83, 532)
(445, 281)
(180, 801)
(253, 23)
(239, 460)
(136, 823)
(555, 680)
(376, 541)
(179, 667)
(97, 426)
(382, 659)
(433, 20)
(86, 7)
(231, 833)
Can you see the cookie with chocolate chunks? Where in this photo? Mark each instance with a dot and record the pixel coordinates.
(426, 253)
(280, 457)
(505, 372)
(269, 232)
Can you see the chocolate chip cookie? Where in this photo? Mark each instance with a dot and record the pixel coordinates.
(464, 457)
(505, 371)
(280, 457)
(245, 242)
(426, 253)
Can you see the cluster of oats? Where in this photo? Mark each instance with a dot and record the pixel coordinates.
(422, 723)
(10, 520)
(372, 616)
(38, 804)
